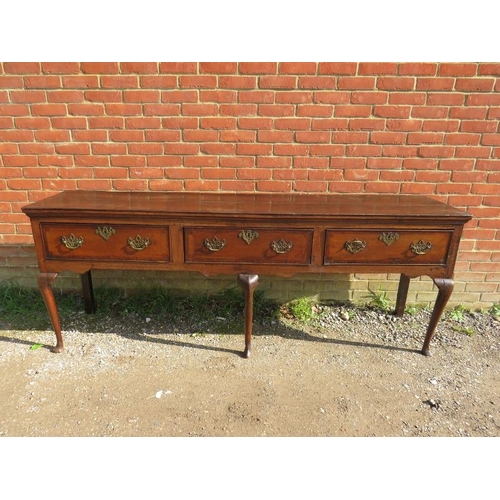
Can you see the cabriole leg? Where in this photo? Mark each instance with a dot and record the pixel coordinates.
(249, 283)
(45, 283)
(445, 287)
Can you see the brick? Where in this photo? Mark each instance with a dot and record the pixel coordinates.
(377, 68)
(328, 97)
(338, 68)
(218, 67)
(139, 67)
(145, 148)
(80, 82)
(253, 149)
(311, 162)
(478, 126)
(432, 112)
(360, 175)
(146, 172)
(106, 122)
(200, 135)
(172, 162)
(219, 96)
(297, 68)
(441, 125)
(353, 111)
(277, 82)
(327, 150)
(274, 186)
(179, 96)
(86, 109)
(276, 110)
(456, 164)
(290, 149)
(425, 138)
(218, 123)
(397, 175)
(60, 68)
(130, 184)
(388, 137)
(197, 81)
(325, 175)
(237, 82)
(275, 136)
(119, 82)
(489, 69)
(128, 161)
(436, 151)
(292, 124)
(180, 123)
(483, 99)
(237, 161)
(52, 135)
(178, 67)
(142, 122)
(256, 123)
(445, 99)
(31, 123)
(258, 68)
(475, 84)
(14, 110)
(254, 173)
(317, 82)
(366, 124)
(72, 148)
(141, 96)
(48, 109)
(103, 96)
(312, 137)
(356, 83)
(436, 177)
(36, 148)
(373, 97)
(418, 69)
(490, 140)
(16, 135)
(296, 97)
(350, 137)
(199, 109)
(384, 163)
(162, 135)
(64, 96)
(181, 148)
(407, 98)
(108, 148)
(99, 67)
(158, 81)
(26, 96)
(19, 161)
(126, 135)
(400, 150)
(457, 69)
(327, 124)
(256, 96)
(21, 68)
(472, 152)
(435, 83)
(237, 109)
(69, 123)
(237, 136)
(120, 109)
(462, 139)
(201, 185)
(218, 148)
(165, 185)
(217, 173)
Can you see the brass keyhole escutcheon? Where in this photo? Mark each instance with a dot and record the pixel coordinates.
(389, 238)
(248, 235)
(105, 232)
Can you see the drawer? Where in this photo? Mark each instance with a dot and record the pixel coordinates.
(106, 243)
(386, 247)
(248, 246)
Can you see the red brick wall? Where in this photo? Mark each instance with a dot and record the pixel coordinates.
(426, 128)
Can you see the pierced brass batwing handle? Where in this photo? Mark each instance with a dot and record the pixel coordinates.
(72, 242)
(138, 243)
(281, 246)
(421, 247)
(355, 246)
(214, 245)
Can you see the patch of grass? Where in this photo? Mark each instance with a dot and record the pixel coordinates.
(466, 330)
(379, 300)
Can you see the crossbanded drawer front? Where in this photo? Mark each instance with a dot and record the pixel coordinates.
(386, 247)
(248, 245)
(99, 242)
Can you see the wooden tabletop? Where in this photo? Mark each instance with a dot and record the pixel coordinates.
(234, 204)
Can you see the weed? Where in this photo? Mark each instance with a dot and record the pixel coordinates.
(457, 313)
(379, 300)
(494, 310)
(301, 309)
(466, 330)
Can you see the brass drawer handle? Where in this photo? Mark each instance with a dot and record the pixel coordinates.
(281, 246)
(355, 246)
(248, 235)
(105, 232)
(138, 243)
(72, 242)
(389, 238)
(420, 248)
(214, 245)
